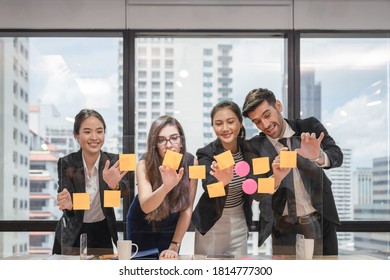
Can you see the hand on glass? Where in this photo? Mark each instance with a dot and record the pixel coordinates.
(112, 175)
(64, 201)
(170, 177)
(225, 175)
(169, 254)
(279, 173)
(310, 145)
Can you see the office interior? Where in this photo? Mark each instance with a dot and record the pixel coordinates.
(134, 60)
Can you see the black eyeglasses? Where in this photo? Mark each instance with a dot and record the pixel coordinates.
(162, 141)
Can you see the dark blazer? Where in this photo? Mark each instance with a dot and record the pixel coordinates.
(209, 210)
(317, 184)
(71, 176)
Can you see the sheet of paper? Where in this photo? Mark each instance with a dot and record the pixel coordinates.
(216, 190)
(81, 201)
(112, 198)
(266, 185)
(197, 172)
(288, 159)
(172, 159)
(127, 162)
(260, 165)
(225, 159)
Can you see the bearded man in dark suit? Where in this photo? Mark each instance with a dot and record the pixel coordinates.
(303, 203)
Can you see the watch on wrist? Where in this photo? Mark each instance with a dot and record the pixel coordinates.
(319, 156)
(176, 243)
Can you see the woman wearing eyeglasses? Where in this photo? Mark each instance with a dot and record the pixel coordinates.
(160, 214)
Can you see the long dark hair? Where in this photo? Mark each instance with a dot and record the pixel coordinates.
(178, 198)
(237, 111)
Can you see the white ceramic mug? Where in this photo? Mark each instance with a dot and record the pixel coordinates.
(304, 248)
(125, 249)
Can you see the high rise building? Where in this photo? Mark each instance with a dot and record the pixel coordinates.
(310, 95)
(14, 150)
(341, 178)
(376, 208)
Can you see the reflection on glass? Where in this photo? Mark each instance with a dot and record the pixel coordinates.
(186, 77)
(46, 81)
(345, 84)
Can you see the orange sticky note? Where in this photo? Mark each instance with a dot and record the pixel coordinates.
(127, 162)
(172, 159)
(216, 190)
(288, 159)
(266, 185)
(81, 201)
(112, 198)
(225, 159)
(260, 165)
(197, 172)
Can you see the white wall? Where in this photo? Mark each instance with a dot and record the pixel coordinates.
(195, 14)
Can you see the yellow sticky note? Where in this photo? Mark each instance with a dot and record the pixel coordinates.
(172, 159)
(81, 201)
(127, 162)
(216, 190)
(197, 172)
(266, 185)
(288, 159)
(112, 198)
(260, 165)
(225, 159)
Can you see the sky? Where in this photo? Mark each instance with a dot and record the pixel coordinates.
(76, 73)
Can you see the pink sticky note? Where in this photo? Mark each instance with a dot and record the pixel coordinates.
(249, 186)
(242, 168)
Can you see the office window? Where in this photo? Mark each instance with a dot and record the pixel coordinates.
(169, 64)
(208, 52)
(169, 95)
(142, 115)
(345, 84)
(142, 51)
(142, 63)
(54, 79)
(155, 63)
(155, 105)
(168, 75)
(142, 74)
(155, 75)
(142, 94)
(169, 52)
(186, 98)
(155, 52)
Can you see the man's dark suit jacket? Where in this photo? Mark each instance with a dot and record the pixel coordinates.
(71, 176)
(317, 184)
